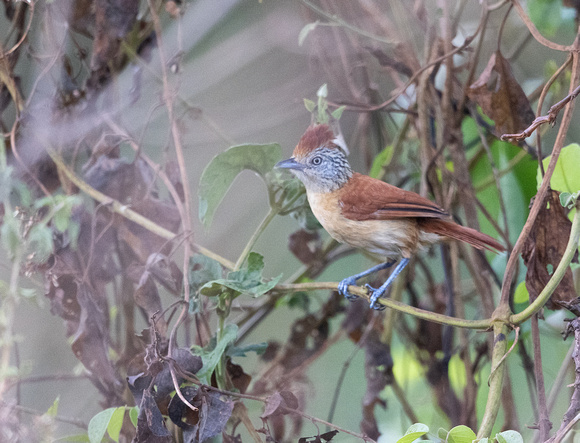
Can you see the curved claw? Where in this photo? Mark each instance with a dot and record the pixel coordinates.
(343, 288)
(374, 297)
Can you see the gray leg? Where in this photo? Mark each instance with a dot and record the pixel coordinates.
(377, 293)
(351, 281)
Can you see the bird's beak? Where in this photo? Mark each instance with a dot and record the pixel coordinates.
(291, 163)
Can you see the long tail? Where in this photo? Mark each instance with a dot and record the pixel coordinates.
(451, 229)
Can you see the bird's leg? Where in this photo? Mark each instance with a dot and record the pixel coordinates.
(377, 293)
(344, 284)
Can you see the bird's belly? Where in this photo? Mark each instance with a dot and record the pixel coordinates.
(385, 238)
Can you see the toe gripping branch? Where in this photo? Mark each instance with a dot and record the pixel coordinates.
(376, 293)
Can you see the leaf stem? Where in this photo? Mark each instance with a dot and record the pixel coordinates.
(259, 230)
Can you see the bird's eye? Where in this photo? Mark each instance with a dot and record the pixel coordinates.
(317, 160)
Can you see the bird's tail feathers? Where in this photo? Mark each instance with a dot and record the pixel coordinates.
(451, 229)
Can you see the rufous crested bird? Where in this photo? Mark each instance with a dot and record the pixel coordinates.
(370, 214)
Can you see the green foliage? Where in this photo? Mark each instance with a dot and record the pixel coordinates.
(321, 106)
(109, 421)
(202, 269)
(569, 200)
(459, 434)
(550, 16)
(521, 295)
(78, 438)
(212, 354)
(10, 234)
(413, 433)
(566, 177)
(219, 174)
(509, 437)
(241, 351)
(383, 158)
(99, 424)
(248, 281)
(134, 415)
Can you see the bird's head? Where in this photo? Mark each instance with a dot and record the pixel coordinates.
(319, 160)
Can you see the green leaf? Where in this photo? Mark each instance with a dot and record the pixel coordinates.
(549, 16)
(305, 31)
(566, 177)
(134, 414)
(78, 438)
(521, 295)
(241, 351)
(52, 411)
(569, 200)
(212, 356)
(383, 158)
(309, 105)
(509, 437)
(40, 238)
(442, 434)
(201, 270)
(116, 423)
(219, 174)
(248, 280)
(337, 113)
(10, 234)
(62, 218)
(98, 425)
(461, 434)
(413, 433)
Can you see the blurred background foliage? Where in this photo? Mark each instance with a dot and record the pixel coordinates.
(133, 100)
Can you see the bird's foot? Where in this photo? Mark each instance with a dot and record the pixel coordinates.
(343, 288)
(375, 295)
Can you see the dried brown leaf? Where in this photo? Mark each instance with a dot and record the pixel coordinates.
(305, 245)
(543, 251)
(277, 403)
(239, 378)
(501, 97)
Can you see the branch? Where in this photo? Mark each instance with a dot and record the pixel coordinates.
(498, 369)
(539, 121)
(389, 303)
(572, 414)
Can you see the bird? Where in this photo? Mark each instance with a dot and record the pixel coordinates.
(370, 214)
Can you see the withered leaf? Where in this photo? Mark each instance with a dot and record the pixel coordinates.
(239, 378)
(147, 297)
(305, 245)
(501, 97)
(327, 436)
(181, 414)
(543, 251)
(214, 413)
(278, 402)
(113, 20)
(150, 424)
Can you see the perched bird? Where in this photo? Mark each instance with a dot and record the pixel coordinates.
(370, 214)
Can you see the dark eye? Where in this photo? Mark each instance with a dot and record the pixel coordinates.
(317, 160)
